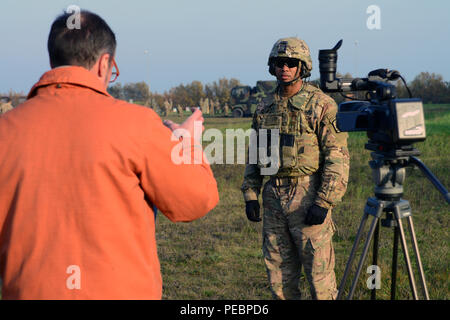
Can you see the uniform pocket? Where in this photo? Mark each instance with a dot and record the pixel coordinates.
(289, 152)
(308, 147)
(270, 120)
(321, 237)
(267, 123)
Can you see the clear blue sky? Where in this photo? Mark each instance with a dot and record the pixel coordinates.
(206, 39)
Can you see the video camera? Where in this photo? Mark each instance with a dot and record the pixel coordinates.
(392, 124)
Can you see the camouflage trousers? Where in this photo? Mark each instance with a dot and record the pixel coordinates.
(289, 244)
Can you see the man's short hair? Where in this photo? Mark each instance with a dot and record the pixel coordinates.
(80, 46)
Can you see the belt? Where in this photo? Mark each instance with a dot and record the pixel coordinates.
(288, 181)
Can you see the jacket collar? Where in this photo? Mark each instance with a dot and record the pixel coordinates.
(301, 99)
(74, 75)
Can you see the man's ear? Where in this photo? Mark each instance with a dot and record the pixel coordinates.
(103, 65)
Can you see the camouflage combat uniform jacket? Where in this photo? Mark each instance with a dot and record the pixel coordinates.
(310, 142)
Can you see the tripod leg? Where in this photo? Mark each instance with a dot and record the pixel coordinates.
(363, 256)
(407, 260)
(375, 256)
(352, 255)
(394, 263)
(418, 260)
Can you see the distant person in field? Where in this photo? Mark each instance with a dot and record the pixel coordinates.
(311, 178)
(79, 174)
(5, 107)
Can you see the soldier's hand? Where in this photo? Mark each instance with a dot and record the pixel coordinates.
(252, 210)
(315, 215)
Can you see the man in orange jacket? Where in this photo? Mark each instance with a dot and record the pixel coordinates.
(79, 174)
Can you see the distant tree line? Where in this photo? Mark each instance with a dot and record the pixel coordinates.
(213, 96)
(431, 88)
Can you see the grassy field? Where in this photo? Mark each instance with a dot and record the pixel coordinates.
(219, 256)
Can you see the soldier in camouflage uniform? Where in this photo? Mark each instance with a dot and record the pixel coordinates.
(312, 176)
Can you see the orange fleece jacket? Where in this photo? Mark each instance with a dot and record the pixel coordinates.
(79, 172)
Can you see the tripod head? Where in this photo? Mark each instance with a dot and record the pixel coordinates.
(389, 174)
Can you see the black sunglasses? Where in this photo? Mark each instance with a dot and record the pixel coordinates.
(291, 63)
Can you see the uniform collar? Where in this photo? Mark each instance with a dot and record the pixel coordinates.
(300, 99)
(73, 75)
(296, 100)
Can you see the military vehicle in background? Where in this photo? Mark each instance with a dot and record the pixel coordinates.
(244, 99)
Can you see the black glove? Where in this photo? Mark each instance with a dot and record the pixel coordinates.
(252, 210)
(315, 215)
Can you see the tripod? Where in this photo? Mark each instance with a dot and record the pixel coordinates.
(389, 175)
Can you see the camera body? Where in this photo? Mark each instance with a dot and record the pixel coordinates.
(392, 125)
(397, 121)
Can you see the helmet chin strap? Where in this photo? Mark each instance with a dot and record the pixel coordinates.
(288, 83)
(296, 79)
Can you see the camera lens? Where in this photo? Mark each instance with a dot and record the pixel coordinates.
(327, 65)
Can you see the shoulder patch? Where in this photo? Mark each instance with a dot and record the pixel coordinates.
(334, 124)
(324, 105)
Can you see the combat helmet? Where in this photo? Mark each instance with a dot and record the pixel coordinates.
(294, 48)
